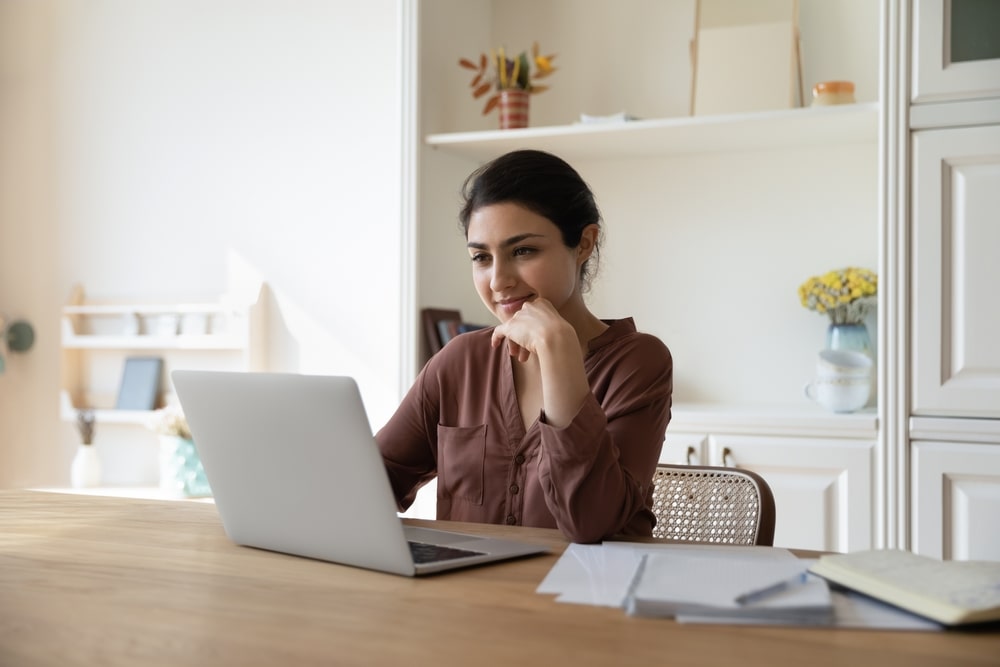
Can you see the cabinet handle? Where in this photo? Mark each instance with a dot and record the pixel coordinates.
(692, 457)
(728, 459)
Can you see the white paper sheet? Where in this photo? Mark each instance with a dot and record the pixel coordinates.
(600, 575)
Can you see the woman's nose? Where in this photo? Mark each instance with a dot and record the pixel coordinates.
(503, 276)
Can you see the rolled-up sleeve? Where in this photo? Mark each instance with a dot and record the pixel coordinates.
(597, 472)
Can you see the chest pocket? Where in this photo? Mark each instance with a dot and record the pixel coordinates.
(461, 462)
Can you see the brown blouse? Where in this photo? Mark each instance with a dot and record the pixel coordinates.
(460, 421)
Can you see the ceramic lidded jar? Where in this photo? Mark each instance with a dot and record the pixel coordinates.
(826, 93)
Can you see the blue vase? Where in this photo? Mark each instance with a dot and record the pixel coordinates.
(849, 337)
(181, 472)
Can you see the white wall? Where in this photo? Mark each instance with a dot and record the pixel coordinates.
(185, 135)
(28, 429)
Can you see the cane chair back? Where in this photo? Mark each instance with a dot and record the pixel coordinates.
(712, 504)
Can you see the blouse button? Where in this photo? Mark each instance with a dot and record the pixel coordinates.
(511, 519)
(519, 459)
(514, 488)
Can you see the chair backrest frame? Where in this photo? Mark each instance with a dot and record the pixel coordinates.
(712, 504)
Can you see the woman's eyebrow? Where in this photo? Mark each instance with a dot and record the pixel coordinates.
(513, 240)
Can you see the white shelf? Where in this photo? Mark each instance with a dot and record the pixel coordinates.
(140, 342)
(147, 309)
(68, 413)
(790, 128)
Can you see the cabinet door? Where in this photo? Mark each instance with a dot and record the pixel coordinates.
(956, 50)
(955, 500)
(823, 488)
(684, 448)
(956, 325)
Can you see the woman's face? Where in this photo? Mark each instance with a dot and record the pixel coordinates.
(518, 256)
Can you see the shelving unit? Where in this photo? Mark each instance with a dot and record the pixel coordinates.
(97, 337)
(712, 222)
(720, 216)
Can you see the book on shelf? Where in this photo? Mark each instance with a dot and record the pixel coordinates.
(948, 592)
(432, 332)
(448, 329)
(140, 385)
(441, 325)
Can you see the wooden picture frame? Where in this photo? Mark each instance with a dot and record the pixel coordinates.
(746, 57)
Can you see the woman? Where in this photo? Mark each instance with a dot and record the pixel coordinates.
(553, 417)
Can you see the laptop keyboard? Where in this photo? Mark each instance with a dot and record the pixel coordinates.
(433, 553)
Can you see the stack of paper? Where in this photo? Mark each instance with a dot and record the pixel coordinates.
(609, 575)
(765, 585)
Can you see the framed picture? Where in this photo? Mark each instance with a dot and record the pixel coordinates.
(140, 386)
(746, 57)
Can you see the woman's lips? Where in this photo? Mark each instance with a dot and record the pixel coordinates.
(511, 306)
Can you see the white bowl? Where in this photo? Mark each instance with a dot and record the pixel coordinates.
(843, 363)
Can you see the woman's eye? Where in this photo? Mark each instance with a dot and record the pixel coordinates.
(480, 257)
(523, 251)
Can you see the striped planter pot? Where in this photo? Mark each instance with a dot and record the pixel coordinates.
(513, 108)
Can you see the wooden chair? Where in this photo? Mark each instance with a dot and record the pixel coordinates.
(712, 504)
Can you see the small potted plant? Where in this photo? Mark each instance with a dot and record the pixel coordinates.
(512, 81)
(86, 467)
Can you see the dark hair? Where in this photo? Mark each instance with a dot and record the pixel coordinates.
(542, 183)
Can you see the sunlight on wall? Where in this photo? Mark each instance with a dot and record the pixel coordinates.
(300, 339)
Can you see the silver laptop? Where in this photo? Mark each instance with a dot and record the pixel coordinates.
(294, 467)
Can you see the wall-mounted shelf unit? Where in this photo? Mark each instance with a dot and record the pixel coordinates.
(98, 337)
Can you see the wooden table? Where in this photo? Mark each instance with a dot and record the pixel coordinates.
(109, 581)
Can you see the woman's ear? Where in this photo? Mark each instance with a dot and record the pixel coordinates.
(588, 242)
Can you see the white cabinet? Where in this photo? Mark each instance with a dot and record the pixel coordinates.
(956, 52)
(685, 448)
(821, 468)
(955, 491)
(956, 238)
(953, 426)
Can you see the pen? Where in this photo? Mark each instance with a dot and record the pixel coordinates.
(766, 592)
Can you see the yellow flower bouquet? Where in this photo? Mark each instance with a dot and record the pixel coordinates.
(846, 295)
(498, 72)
